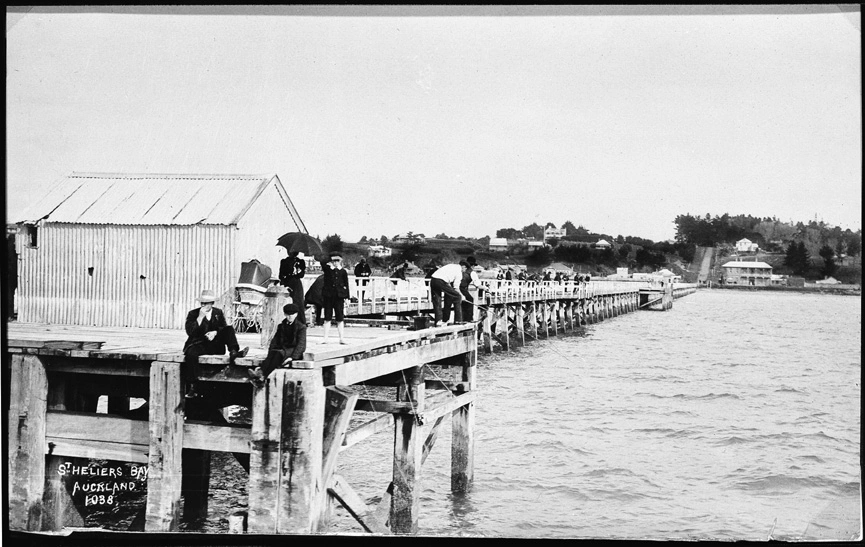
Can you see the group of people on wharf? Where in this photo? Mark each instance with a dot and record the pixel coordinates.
(210, 334)
(557, 277)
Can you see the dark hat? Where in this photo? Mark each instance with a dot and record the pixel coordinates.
(335, 255)
(288, 309)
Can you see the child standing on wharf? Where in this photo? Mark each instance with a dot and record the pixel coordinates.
(334, 293)
(445, 281)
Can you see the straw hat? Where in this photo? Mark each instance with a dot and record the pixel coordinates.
(207, 296)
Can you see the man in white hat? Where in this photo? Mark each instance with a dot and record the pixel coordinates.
(209, 334)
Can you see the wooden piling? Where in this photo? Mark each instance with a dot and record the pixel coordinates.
(462, 432)
(271, 315)
(196, 483)
(407, 456)
(554, 320)
(521, 324)
(165, 462)
(544, 319)
(27, 410)
(285, 490)
(59, 509)
(487, 326)
(502, 326)
(533, 319)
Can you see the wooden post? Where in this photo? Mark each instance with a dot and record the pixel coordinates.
(407, 456)
(271, 315)
(27, 409)
(196, 483)
(487, 327)
(264, 455)
(339, 406)
(533, 319)
(463, 432)
(165, 473)
(58, 507)
(521, 326)
(285, 490)
(554, 319)
(544, 322)
(502, 327)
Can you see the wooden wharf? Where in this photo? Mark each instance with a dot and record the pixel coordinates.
(302, 418)
(299, 422)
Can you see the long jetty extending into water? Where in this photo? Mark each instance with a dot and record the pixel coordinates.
(303, 418)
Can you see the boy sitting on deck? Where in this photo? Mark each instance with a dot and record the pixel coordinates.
(209, 334)
(287, 345)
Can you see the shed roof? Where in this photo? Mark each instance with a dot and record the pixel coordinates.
(743, 264)
(150, 199)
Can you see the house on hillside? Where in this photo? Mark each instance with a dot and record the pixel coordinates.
(135, 250)
(379, 251)
(554, 233)
(746, 246)
(746, 273)
(828, 281)
(409, 238)
(498, 244)
(602, 244)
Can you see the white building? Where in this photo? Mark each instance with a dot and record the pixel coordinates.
(747, 273)
(602, 244)
(554, 233)
(746, 246)
(379, 251)
(498, 244)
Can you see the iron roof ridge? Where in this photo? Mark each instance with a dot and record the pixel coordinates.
(98, 174)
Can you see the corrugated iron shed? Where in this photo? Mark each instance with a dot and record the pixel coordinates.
(149, 199)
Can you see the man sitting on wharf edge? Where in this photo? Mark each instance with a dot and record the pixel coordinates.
(209, 334)
(287, 345)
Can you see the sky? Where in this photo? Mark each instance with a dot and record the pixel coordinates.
(459, 124)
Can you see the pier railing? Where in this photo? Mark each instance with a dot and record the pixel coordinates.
(382, 295)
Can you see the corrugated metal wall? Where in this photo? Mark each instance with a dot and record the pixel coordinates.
(142, 276)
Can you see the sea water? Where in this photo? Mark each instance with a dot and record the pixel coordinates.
(733, 416)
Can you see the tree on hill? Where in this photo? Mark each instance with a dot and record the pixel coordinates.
(828, 256)
(539, 257)
(569, 228)
(332, 244)
(509, 233)
(797, 258)
(854, 244)
(383, 240)
(533, 231)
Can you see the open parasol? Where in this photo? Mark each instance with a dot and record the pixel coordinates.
(298, 242)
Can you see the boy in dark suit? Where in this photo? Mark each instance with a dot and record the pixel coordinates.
(287, 345)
